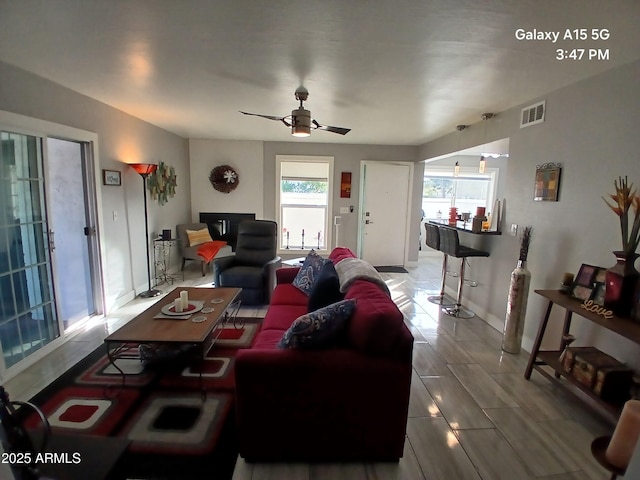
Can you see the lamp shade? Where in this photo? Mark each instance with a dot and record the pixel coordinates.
(144, 168)
(301, 123)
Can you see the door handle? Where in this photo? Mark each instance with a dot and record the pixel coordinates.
(367, 222)
(52, 243)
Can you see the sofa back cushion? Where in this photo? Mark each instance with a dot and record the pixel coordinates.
(340, 253)
(377, 325)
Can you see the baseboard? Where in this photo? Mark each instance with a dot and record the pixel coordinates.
(120, 302)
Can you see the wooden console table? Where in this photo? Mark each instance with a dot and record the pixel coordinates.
(551, 358)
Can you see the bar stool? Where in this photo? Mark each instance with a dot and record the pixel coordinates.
(433, 241)
(450, 245)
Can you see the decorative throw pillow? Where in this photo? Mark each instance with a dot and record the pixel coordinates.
(318, 329)
(308, 273)
(326, 289)
(198, 237)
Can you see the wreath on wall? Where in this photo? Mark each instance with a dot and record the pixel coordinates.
(162, 183)
(224, 178)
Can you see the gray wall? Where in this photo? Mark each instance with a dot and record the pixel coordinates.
(347, 158)
(591, 128)
(122, 139)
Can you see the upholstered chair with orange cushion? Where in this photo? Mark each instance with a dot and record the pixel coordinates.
(190, 237)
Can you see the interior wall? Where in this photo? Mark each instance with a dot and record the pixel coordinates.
(591, 128)
(346, 159)
(245, 157)
(122, 139)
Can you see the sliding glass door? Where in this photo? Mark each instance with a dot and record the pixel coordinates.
(28, 318)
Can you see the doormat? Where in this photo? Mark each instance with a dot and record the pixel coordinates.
(390, 269)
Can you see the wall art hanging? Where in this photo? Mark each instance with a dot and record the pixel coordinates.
(162, 183)
(547, 185)
(224, 178)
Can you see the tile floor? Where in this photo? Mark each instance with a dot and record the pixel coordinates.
(472, 415)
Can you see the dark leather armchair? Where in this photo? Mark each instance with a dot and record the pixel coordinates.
(253, 267)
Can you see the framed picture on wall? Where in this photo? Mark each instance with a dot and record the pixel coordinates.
(111, 177)
(547, 184)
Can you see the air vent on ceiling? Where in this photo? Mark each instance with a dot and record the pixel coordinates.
(532, 114)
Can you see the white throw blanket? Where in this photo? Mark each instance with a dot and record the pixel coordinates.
(351, 269)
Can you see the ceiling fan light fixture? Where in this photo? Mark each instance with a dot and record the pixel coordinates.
(300, 122)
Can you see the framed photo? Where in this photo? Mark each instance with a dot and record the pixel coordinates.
(547, 184)
(111, 177)
(589, 284)
(598, 293)
(581, 292)
(586, 275)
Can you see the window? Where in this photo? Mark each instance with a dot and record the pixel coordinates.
(441, 190)
(303, 202)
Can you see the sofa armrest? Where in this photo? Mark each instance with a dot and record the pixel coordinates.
(286, 274)
(290, 404)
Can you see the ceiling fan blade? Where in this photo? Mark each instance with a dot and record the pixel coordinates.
(269, 117)
(329, 128)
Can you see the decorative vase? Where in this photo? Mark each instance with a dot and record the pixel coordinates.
(516, 308)
(621, 282)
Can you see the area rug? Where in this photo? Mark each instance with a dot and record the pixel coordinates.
(178, 418)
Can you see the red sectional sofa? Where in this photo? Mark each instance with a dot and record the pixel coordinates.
(345, 403)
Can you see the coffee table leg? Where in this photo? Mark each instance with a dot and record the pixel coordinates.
(112, 355)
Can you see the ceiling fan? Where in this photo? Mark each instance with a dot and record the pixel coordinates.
(300, 119)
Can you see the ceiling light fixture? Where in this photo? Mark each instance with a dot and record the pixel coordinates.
(456, 167)
(300, 122)
(483, 162)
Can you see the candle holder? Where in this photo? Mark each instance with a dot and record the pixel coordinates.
(625, 436)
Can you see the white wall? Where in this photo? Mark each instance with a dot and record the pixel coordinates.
(122, 139)
(245, 157)
(591, 128)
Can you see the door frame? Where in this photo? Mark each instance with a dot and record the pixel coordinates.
(43, 129)
(88, 196)
(361, 204)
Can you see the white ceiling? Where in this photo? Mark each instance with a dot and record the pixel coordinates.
(394, 71)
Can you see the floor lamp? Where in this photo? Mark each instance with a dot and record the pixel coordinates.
(145, 169)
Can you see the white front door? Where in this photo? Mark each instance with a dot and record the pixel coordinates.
(384, 212)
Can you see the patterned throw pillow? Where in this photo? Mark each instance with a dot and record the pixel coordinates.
(318, 329)
(308, 273)
(198, 237)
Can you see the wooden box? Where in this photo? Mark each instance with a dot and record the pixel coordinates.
(613, 384)
(606, 376)
(569, 357)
